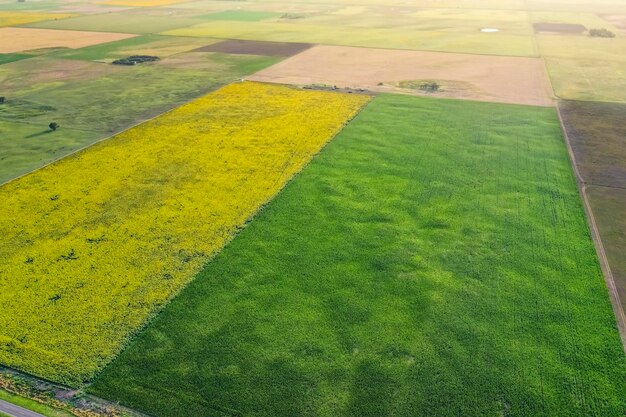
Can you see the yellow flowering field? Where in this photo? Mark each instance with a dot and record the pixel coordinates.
(8, 18)
(95, 244)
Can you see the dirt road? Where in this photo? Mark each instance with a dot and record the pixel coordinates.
(16, 411)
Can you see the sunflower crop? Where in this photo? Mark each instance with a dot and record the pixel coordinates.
(95, 244)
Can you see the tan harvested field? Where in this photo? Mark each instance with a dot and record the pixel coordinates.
(22, 78)
(516, 80)
(27, 39)
(617, 20)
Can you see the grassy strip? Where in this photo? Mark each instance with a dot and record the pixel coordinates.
(33, 405)
(434, 260)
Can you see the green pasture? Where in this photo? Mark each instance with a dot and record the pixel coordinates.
(127, 21)
(444, 268)
(399, 38)
(406, 20)
(589, 20)
(6, 58)
(583, 47)
(241, 16)
(158, 45)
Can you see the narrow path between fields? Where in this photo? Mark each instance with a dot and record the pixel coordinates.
(16, 410)
(618, 309)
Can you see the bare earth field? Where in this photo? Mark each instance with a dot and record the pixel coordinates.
(242, 47)
(26, 39)
(597, 132)
(608, 205)
(516, 80)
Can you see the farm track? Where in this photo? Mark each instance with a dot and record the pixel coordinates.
(618, 308)
(16, 411)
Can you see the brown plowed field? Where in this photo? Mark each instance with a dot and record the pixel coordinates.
(597, 133)
(26, 39)
(476, 77)
(559, 28)
(242, 47)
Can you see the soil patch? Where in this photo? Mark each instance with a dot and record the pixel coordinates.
(559, 28)
(26, 39)
(476, 77)
(242, 47)
(597, 132)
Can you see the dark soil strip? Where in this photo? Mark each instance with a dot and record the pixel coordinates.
(559, 28)
(242, 47)
(597, 132)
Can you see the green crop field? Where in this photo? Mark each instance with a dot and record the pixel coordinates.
(481, 43)
(32, 405)
(241, 15)
(443, 268)
(439, 257)
(24, 146)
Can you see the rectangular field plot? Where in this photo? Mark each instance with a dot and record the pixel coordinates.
(609, 208)
(25, 146)
(96, 243)
(128, 21)
(588, 79)
(469, 40)
(597, 132)
(161, 46)
(6, 58)
(234, 46)
(487, 78)
(434, 260)
(26, 39)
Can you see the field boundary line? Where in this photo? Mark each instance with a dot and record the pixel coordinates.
(609, 279)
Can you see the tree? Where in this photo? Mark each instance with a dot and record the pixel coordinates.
(601, 33)
(1, 100)
(429, 86)
(53, 126)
